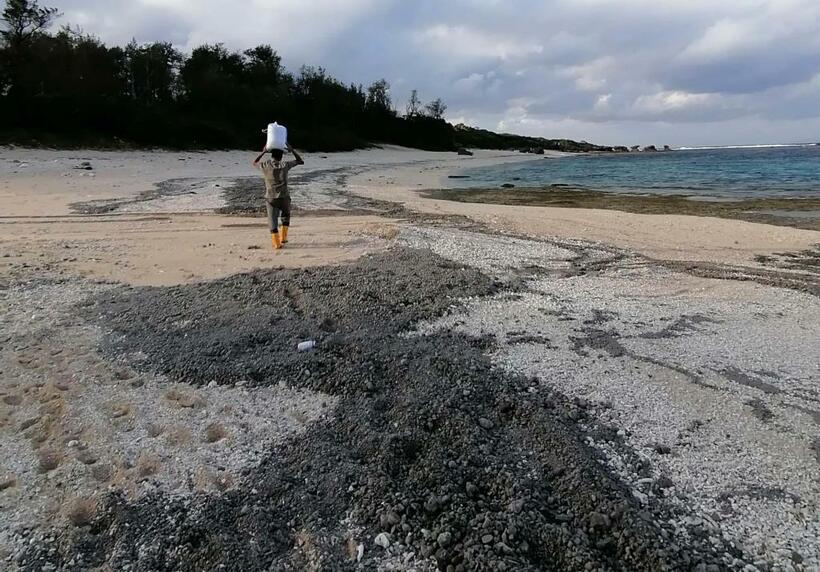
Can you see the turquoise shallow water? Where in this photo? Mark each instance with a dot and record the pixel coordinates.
(722, 173)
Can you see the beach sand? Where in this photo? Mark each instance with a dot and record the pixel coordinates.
(662, 365)
(38, 183)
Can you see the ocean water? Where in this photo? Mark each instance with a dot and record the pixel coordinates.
(718, 173)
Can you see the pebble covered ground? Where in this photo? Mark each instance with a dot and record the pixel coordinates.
(714, 383)
(434, 458)
(75, 426)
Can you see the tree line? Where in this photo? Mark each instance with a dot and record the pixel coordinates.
(69, 88)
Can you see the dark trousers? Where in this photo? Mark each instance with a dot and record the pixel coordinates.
(276, 208)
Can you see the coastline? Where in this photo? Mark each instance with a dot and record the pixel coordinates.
(659, 236)
(660, 364)
(763, 210)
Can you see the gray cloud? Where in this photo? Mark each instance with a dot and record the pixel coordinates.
(670, 72)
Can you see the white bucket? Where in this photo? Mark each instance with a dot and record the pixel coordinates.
(277, 137)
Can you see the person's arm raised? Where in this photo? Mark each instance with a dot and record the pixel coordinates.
(259, 158)
(299, 160)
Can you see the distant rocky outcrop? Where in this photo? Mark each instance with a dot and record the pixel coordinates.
(650, 149)
(471, 137)
(533, 150)
(635, 148)
(667, 148)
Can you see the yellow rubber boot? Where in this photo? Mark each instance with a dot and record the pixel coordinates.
(274, 239)
(283, 236)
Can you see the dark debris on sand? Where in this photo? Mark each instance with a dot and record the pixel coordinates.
(169, 188)
(466, 466)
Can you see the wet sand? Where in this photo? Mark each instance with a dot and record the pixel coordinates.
(795, 213)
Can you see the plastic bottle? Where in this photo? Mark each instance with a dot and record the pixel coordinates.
(277, 137)
(306, 346)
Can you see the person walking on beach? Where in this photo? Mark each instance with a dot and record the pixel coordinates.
(277, 196)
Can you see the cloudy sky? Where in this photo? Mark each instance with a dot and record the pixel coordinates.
(679, 72)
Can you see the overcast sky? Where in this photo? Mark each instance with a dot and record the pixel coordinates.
(678, 72)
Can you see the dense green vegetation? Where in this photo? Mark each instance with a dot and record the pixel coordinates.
(69, 89)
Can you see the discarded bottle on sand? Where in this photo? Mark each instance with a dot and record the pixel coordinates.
(306, 346)
(277, 137)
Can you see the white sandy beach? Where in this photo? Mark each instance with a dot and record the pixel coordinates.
(37, 188)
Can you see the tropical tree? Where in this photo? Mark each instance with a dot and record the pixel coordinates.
(436, 109)
(22, 20)
(414, 105)
(152, 71)
(68, 87)
(263, 67)
(212, 79)
(378, 97)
